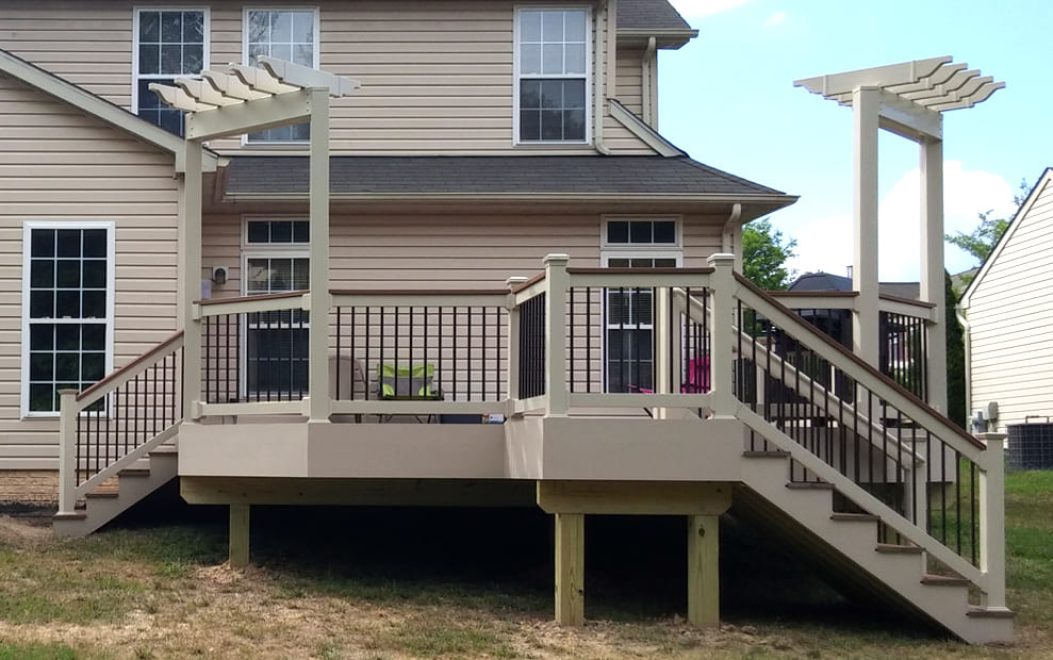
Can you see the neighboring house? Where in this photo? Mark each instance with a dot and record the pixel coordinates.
(501, 234)
(1008, 310)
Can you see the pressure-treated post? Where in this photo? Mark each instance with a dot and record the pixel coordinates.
(866, 103)
(703, 570)
(318, 347)
(570, 569)
(68, 451)
(191, 244)
(933, 286)
(556, 283)
(238, 547)
(992, 520)
(513, 337)
(722, 287)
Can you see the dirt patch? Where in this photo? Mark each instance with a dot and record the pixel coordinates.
(21, 533)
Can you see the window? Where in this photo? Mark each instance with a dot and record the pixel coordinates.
(168, 44)
(276, 358)
(552, 75)
(629, 313)
(67, 311)
(285, 34)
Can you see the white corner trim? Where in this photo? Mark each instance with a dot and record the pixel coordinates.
(637, 127)
(97, 107)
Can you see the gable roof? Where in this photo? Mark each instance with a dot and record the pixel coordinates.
(479, 177)
(654, 18)
(98, 107)
(1044, 180)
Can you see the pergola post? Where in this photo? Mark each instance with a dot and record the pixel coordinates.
(932, 268)
(866, 101)
(191, 267)
(318, 349)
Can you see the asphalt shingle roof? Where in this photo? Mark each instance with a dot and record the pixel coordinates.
(649, 15)
(630, 175)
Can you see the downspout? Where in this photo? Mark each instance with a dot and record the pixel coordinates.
(727, 237)
(961, 314)
(600, 74)
(647, 75)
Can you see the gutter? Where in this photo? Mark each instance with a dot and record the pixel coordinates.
(647, 72)
(599, 69)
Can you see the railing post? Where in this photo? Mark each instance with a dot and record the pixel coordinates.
(191, 246)
(556, 282)
(665, 371)
(992, 520)
(722, 358)
(68, 451)
(513, 337)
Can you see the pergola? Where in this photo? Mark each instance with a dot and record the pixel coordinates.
(242, 100)
(906, 99)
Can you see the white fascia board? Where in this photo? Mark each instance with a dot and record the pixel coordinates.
(100, 108)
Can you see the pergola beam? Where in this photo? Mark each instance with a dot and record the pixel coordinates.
(250, 116)
(302, 76)
(892, 74)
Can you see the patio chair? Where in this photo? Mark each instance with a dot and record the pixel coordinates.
(414, 381)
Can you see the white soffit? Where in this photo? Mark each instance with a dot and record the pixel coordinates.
(937, 84)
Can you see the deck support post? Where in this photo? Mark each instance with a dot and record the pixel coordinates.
(238, 549)
(570, 569)
(866, 102)
(68, 451)
(321, 302)
(703, 570)
(992, 521)
(191, 272)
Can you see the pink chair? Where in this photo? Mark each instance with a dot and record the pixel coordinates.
(697, 378)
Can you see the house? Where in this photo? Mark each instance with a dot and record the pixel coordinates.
(1009, 356)
(308, 277)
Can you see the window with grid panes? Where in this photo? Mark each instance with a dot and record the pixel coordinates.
(286, 35)
(68, 286)
(168, 44)
(552, 57)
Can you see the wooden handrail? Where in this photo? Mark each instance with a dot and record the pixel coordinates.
(898, 389)
(540, 277)
(907, 301)
(813, 294)
(419, 292)
(639, 271)
(240, 299)
(145, 358)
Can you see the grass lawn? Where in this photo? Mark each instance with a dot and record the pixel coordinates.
(435, 584)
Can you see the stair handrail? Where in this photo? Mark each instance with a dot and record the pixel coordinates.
(74, 404)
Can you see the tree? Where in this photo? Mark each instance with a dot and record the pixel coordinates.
(764, 255)
(956, 404)
(985, 237)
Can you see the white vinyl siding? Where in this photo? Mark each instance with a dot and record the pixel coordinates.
(1010, 314)
(167, 43)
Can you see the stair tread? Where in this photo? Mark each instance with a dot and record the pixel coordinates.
(135, 472)
(984, 613)
(103, 494)
(854, 517)
(805, 485)
(892, 548)
(766, 454)
(70, 516)
(944, 580)
(165, 449)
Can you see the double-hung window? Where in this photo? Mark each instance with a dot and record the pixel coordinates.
(552, 75)
(285, 34)
(169, 43)
(629, 314)
(67, 315)
(276, 260)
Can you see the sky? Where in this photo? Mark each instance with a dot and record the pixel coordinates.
(728, 99)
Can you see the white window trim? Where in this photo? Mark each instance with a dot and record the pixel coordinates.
(206, 45)
(590, 28)
(111, 280)
(245, 60)
(246, 245)
(650, 247)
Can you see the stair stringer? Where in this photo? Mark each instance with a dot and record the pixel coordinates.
(855, 542)
(132, 487)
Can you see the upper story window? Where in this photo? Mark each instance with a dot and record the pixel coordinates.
(637, 233)
(286, 34)
(169, 43)
(552, 75)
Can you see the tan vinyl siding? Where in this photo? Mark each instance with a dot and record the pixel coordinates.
(437, 76)
(630, 79)
(1010, 318)
(56, 164)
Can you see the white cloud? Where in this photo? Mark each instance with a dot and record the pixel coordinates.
(776, 19)
(826, 243)
(703, 8)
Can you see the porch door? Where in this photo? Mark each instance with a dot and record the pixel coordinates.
(629, 332)
(275, 346)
